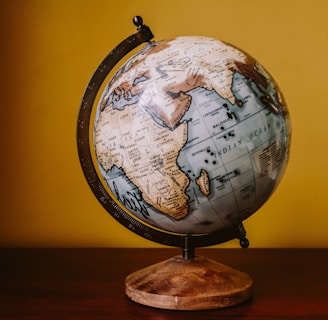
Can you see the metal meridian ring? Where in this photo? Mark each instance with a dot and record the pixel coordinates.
(83, 143)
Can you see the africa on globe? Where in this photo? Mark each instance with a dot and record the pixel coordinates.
(191, 135)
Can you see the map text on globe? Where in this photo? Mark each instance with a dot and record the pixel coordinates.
(191, 135)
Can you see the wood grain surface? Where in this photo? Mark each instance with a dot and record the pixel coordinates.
(90, 284)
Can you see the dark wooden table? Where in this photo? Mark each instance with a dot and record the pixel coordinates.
(89, 284)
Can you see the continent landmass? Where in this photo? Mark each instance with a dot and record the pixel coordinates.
(163, 91)
(147, 154)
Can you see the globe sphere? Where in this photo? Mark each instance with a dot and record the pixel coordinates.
(191, 135)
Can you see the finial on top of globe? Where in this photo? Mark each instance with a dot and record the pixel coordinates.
(189, 138)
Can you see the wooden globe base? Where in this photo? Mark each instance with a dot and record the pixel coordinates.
(188, 284)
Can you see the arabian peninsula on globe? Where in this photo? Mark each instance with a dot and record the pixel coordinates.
(191, 135)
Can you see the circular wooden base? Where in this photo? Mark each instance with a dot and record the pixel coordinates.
(188, 284)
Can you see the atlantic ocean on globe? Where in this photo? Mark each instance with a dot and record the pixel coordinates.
(191, 135)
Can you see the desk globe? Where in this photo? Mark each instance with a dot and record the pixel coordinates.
(186, 140)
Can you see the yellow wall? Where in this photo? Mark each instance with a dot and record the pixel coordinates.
(49, 49)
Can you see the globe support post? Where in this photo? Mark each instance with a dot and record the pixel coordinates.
(188, 250)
